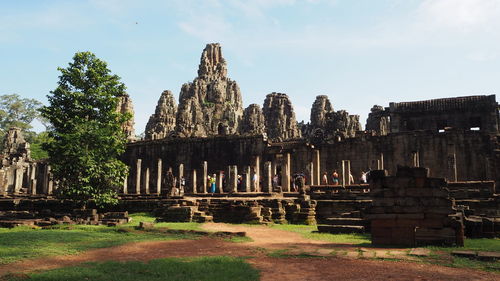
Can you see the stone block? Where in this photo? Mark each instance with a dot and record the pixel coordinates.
(380, 216)
(417, 216)
(436, 183)
(419, 192)
(377, 174)
(145, 225)
(417, 172)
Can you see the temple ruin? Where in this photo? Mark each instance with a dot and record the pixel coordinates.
(447, 147)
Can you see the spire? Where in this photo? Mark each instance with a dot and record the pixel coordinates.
(212, 64)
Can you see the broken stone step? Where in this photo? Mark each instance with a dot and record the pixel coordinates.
(420, 252)
(464, 254)
(336, 229)
(346, 221)
(488, 256)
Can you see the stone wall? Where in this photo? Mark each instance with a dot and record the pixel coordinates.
(454, 155)
(461, 113)
(411, 209)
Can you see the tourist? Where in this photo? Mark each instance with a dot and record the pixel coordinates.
(363, 177)
(212, 183)
(182, 186)
(255, 180)
(299, 183)
(324, 179)
(275, 181)
(335, 178)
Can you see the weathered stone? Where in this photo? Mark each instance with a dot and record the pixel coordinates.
(210, 105)
(162, 123)
(341, 124)
(146, 225)
(377, 121)
(125, 106)
(280, 118)
(320, 108)
(14, 145)
(253, 121)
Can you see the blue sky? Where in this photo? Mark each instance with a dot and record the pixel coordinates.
(359, 53)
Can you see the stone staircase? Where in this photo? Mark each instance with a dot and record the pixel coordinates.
(201, 217)
(345, 223)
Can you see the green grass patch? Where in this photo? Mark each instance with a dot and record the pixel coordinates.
(24, 242)
(146, 217)
(205, 268)
(479, 244)
(441, 255)
(308, 231)
(239, 239)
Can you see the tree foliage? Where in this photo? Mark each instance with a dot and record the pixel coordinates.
(17, 112)
(86, 131)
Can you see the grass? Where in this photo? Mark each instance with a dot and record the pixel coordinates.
(478, 244)
(205, 268)
(440, 255)
(25, 242)
(239, 239)
(307, 231)
(146, 217)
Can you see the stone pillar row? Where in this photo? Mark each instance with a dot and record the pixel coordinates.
(251, 178)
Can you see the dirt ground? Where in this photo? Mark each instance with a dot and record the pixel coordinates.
(320, 268)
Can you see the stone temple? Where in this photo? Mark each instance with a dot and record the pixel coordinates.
(433, 165)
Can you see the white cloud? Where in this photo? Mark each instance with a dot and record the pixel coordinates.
(460, 15)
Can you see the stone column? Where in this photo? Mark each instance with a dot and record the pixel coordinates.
(415, 159)
(228, 178)
(205, 175)
(158, 175)
(146, 180)
(138, 176)
(234, 178)
(125, 185)
(45, 178)
(219, 182)
(181, 174)
(274, 168)
(285, 177)
(312, 172)
(267, 183)
(247, 178)
(381, 161)
(317, 167)
(3, 182)
(193, 182)
(256, 166)
(33, 179)
(18, 179)
(50, 184)
(343, 173)
(349, 172)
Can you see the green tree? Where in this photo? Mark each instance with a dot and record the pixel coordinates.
(37, 141)
(17, 112)
(86, 131)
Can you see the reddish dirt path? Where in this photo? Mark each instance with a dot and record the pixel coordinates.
(269, 238)
(325, 268)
